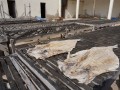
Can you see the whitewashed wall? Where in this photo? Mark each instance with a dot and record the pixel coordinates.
(5, 6)
(51, 7)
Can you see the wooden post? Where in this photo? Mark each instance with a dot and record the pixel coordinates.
(25, 8)
(12, 43)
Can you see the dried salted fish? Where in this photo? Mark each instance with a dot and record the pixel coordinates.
(52, 48)
(87, 64)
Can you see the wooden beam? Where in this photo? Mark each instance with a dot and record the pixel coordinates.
(22, 74)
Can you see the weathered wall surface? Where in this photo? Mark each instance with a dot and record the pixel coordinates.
(51, 7)
(116, 9)
(5, 9)
(86, 7)
(101, 8)
(71, 9)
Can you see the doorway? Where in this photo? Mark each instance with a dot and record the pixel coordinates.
(64, 6)
(43, 10)
(11, 8)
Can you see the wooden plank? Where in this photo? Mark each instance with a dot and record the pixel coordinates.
(56, 69)
(110, 81)
(61, 85)
(50, 84)
(18, 79)
(23, 75)
(56, 73)
(59, 74)
(2, 86)
(32, 77)
(9, 76)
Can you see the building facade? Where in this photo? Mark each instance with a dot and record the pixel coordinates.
(100, 8)
(21, 8)
(59, 8)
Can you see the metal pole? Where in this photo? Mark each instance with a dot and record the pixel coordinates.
(30, 11)
(3, 10)
(94, 5)
(25, 9)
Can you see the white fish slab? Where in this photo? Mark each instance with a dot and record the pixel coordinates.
(87, 64)
(52, 48)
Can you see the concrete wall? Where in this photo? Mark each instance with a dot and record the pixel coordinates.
(5, 9)
(116, 9)
(101, 8)
(86, 7)
(51, 7)
(71, 9)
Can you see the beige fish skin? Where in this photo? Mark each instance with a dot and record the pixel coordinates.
(87, 64)
(52, 48)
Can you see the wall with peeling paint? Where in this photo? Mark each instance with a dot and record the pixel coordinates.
(102, 7)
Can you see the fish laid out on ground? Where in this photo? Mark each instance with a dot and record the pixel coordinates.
(52, 48)
(85, 65)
